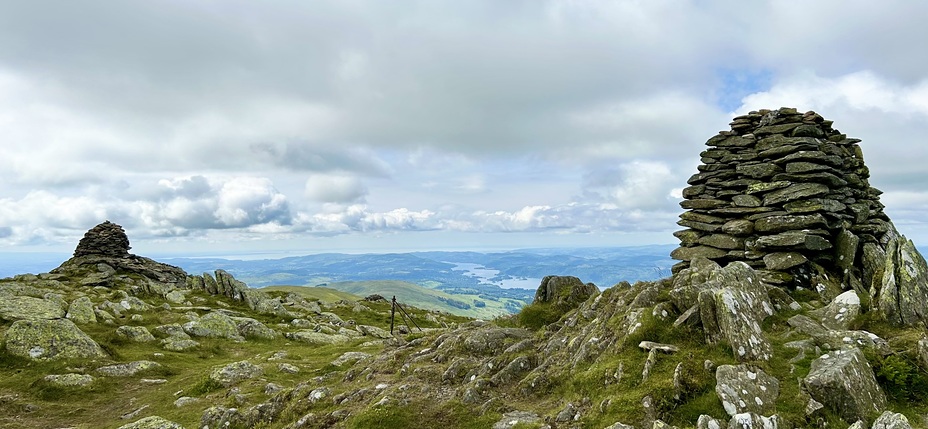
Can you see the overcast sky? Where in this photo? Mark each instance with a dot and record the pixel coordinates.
(306, 126)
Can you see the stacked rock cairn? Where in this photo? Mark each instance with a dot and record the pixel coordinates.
(107, 239)
(787, 194)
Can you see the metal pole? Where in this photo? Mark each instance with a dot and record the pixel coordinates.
(392, 313)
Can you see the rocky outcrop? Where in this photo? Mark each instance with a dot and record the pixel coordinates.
(789, 195)
(153, 422)
(564, 291)
(843, 381)
(50, 340)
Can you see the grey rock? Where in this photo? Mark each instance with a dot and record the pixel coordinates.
(795, 192)
(774, 224)
(513, 418)
(350, 357)
(235, 372)
(690, 253)
(69, 380)
(251, 328)
(127, 369)
(903, 295)
(213, 325)
(81, 311)
(29, 308)
(709, 422)
(373, 331)
(738, 227)
(784, 260)
(313, 337)
(152, 422)
(733, 308)
(564, 291)
(744, 389)
(798, 240)
(137, 334)
(891, 420)
(841, 311)
(755, 421)
(843, 381)
(49, 340)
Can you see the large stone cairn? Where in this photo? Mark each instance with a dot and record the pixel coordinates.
(788, 194)
(107, 239)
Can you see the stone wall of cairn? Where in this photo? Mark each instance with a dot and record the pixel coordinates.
(788, 194)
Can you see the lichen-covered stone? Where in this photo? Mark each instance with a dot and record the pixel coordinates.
(732, 305)
(29, 308)
(318, 338)
(50, 339)
(841, 311)
(843, 381)
(213, 325)
(81, 311)
(755, 421)
(69, 380)
(903, 295)
(744, 389)
(127, 369)
(251, 328)
(152, 422)
(107, 239)
(235, 372)
(891, 420)
(137, 334)
(564, 291)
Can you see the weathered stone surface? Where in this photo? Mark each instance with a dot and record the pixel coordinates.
(213, 325)
(704, 204)
(732, 305)
(891, 420)
(755, 421)
(127, 369)
(843, 381)
(841, 311)
(744, 389)
(690, 253)
(29, 308)
(738, 227)
(69, 380)
(50, 339)
(251, 328)
(774, 224)
(564, 291)
(811, 205)
(688, 282)
(746, 201)
(81, 311)
(783, 260)
(513, 418)
(903, 295)
(313, 337)
(350, 357)
(722, 241)
(846, 244)
(235, 372)
(138, 334)
(791, 240)
(373, 331)
(153, 422)
(795, 192)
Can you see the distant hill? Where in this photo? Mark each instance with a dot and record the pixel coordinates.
(323, 294)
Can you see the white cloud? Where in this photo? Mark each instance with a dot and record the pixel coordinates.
(335, 188)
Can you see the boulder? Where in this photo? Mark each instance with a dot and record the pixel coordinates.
(743, 389)
(891, 420)
(69, 380)
(251, 328)
(843, 381)
(127, 369)
(29, 308)
(841, 311)
(49, 340)
(235, 372)
(213, 325)
(137, 334)
(81, 311)
(755, 421)
(564, 291)
(318, 338)
(152, 422)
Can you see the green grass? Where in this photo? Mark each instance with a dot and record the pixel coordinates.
(314, 293)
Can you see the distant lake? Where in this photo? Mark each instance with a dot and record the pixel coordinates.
(490, 276)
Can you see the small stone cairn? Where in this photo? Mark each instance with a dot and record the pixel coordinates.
(787, 194)
(107, 238)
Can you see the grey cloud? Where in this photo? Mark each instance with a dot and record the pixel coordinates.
(5, 231)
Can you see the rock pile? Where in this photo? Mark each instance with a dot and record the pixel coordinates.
(788, 194)
(107, 239)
